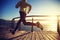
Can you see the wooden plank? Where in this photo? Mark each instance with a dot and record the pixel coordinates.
(40, 36)
(33, 35)
(26, 37)
(37, 36)
(46, 33)
(51, 35)
(56, 36)
(45, 36)
(22, 38)
(53, 38)
(29, 36)
(48, 37)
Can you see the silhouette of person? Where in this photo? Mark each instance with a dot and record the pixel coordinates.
(23, 7)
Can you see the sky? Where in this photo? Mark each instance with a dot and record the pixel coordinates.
(39, 7)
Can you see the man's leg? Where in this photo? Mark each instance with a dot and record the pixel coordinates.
(35, 24)
(16, 26)
(28, 23)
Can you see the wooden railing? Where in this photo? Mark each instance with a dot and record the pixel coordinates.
(58, 28)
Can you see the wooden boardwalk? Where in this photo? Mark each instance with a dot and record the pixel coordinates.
(35, 35)
(5, 34)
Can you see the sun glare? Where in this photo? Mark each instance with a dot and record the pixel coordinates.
(53, 23)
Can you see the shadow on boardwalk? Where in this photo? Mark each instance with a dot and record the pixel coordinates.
(19, 36)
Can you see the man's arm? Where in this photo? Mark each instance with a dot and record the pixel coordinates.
(18, 4)
(29, 8)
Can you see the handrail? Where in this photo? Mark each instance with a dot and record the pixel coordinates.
(36, 16)
(33, 16)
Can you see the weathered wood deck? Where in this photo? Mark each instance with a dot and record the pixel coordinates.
(35, 35)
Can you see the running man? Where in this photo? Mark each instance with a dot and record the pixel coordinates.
(23, 7)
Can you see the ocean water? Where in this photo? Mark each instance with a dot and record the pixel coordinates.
(47, 26)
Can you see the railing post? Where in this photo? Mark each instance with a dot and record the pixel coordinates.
(58, 28)
(32, 25)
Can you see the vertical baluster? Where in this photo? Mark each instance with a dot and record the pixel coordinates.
(32, 25)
